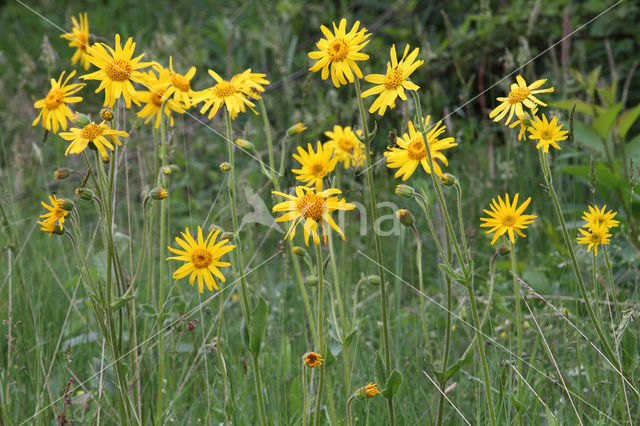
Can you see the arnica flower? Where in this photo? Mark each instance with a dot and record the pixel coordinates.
(53, 108)
(314, 165)
(547, 133)
(79, 38)
(312, 209)
(520, 94)
(506, 216)
(153, 98)
(224, 93)
(296, 129)
(179, 85)
(312, 359)
(411, 150)
(250, 83)
(339, 51)
(394, 82)
(57, 212)
(524, 121)
(202, 257)
(100, 135)
(598, 217)
(118, 69)
(51, 228)
(346, 146)
(367, 391)
(594, 237)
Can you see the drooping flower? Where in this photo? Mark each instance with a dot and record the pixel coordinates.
(312, 359)
(51, 228)
(315, 166)
(393, 84)
(547, 133)
(520, 94)
(250, 83)
(79, 38)
(367, 391)
(179, 85)
(524, 121)
(346, 146)
(53, 108)
(202, 257)
(224, 93)
(56, 213)
(598, 217)
(507, 217)
(153, 98)
(313, 209)
(118, 69)
(411, 150)
(594, 237)
(100, 135)
(338, 52)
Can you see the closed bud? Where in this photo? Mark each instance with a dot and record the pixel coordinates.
(80, 120)
(106, 114)
(225, 167)
(174, 168)
(299, 251)
(372, 280)
(227, 236)
(61, 174)
(166, 171)
(158, 194)
(246, 145)
(405, 191)
(105, 158)
(503, 250)
(405, 217)
(84, 193)
(65, 204)
(296, 129)
(448, 179)
(311, 280)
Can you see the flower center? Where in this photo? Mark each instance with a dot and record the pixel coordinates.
(156, 97)
(546, 134)
(82, 40)
(91, 131)
(417, 150)
(311, 206)
(595, 238)
(393, 79)
(508, 219)
(338, 50)
(180, 83)
(119, 70)
(518, 95)
(54, 99)
(224, 89)
(318, 170)
(201, 258)
(346, 144)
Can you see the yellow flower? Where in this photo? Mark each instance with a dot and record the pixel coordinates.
(53, 108)
(202, 258)
(312, 209)
(56, 213)
(180, 85)
(100, 135)
(296, 129)
(158, 87)
(367, 391)
(314, 165)
(312, 359)
(547, 132)
(411, 150)
(118, 69)
(250, 83)
(345, 145)
(507, 217)
(392, 84)
(51, 228)
(79, 38)
(227, 93)
(524, 121)
(594, 237)
(339, 51)
(520, 94)
(597, 217)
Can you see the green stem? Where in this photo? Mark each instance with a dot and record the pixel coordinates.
(447, 340)
(223, 366)
(611, 284)
(349, 401)
(516, 292)
(267, 127)
(320, 321)
(374, 217)
(421, 284)
(304, 395)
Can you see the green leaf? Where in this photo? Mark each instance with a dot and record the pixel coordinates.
(606, 177)
(551, 419)
(627, 119)
(592, 81)
(148, 310)
(452, 274)
(581, 106)
(632, 149)
(452, 369)
(120, 302)
(604, 123)
(257, 327)
(393, 384)
(381, 375)
(587, 136)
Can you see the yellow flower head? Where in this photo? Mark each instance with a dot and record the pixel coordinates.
(520, 94)
(597, 217)
(314, 165)
(312, 359)
(118, 69)
(345, 145)
(367, 391)
(79, 38)
(224, 93)
(158, 87)
(594, 237)
(339, 51)
(51, 228)
(250, 83)
(507, 217)
(100, 135)
(179, 85)
(394, 82)
(296, 129)
(411, 150)
(202, 257)
(56, 213)
(524, 121)
(53, 108)
(312, 209)
(547, 133)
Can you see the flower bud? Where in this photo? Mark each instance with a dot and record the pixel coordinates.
(448, 179)
(246, 145)
(405, 217)
(372, 280)
(51, 228)
(80, 120)
(106, 114)
(158, 193)
(84, 193)
(367, 391)
(227, 236)
(299, 251)
(65, 204)
(405, 191)
(296, 129)
(225, 167)
(503, 250)
(311, 280)
(166, 171)
(61, 174)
